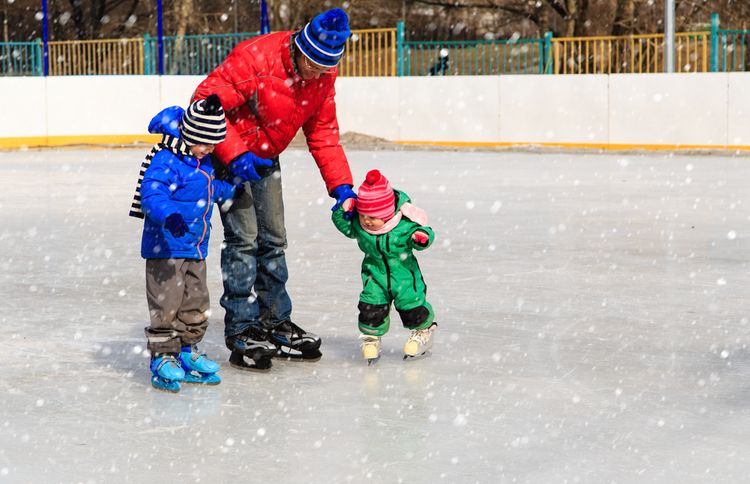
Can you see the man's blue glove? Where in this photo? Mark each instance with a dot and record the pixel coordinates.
(342, 193)
(246, 167)
(176, 225)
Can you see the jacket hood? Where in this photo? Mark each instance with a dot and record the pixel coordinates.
(401, 198)
(167, 121)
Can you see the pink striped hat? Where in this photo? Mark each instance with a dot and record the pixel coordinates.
(376, 197)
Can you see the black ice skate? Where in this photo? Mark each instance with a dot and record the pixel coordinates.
(294, 343)
(252, 345)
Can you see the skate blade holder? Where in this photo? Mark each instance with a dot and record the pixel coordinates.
(420, 356)
(239, 361)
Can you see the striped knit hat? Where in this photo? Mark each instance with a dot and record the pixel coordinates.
(376, 197)
(204, 122)
(322, 40)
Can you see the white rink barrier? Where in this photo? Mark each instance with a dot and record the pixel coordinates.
(648, 111)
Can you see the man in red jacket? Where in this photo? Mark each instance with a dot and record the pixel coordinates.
(270, 87)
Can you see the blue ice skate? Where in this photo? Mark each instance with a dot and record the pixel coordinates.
(198, 368)
(166, 373)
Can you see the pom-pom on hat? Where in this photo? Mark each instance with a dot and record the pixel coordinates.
(376, 197)
(322, 40)
(204, 122)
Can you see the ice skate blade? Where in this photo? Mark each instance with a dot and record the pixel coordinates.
(297, 360)
(417, 357)
(370, 361)
(249, 368)
(237, 360)
(211, 379)
(311, 357)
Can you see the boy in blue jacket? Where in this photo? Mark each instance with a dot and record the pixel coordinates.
(177, 194)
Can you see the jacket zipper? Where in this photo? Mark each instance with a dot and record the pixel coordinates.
(378, 240)
(208, 207)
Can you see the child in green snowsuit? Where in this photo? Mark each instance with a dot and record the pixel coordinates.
(388, 228)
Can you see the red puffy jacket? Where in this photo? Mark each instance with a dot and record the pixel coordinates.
(266, 102)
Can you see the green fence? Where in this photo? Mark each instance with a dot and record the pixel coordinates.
(474, 58)
(21, 59)
(191, 54)
(729, 48)
(733, 50)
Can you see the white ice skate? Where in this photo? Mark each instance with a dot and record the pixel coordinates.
(370, 347)
(419, 342)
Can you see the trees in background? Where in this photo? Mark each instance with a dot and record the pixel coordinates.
(425, 19)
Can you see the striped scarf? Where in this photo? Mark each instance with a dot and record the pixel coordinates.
(176, 146)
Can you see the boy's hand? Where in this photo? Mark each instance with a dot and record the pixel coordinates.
(420, 238)
(176, 225)
(248, 167)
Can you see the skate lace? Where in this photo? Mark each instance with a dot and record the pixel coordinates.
(421, 335)
(253, 334)
(292, 328)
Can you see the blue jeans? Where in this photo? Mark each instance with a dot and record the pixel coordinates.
(253, 264)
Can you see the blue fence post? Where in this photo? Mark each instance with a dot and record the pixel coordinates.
(714, 42)
(547, 53)
(400, 48)
(265, 25)
(160, 36)
(45, 38)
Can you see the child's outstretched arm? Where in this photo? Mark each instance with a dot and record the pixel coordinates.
(421, 238)
(340, 216)
(223, 190)
(155, 191)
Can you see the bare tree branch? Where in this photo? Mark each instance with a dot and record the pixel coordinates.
(558, 8)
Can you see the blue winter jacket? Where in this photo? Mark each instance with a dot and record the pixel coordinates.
(185, 185)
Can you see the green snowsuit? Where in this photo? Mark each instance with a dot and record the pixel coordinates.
(390, 273)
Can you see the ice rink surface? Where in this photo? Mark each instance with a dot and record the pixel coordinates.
(593, 314)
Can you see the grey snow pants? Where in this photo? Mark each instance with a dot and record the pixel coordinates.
(178, 303)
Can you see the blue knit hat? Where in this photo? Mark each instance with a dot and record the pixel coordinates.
(322, 40)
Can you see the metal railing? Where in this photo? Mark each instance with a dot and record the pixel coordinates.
(474, 58)
(21, 59)
(729, 48)
(96, 57)
(632, 54)
(734, 52)
(386, 52)
(370, 52)
(191, 54)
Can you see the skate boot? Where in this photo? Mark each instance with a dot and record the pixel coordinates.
(370, 346)
(419, 342)
(294, 343)
(251, 344)
(198, 368)
(166, 373)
